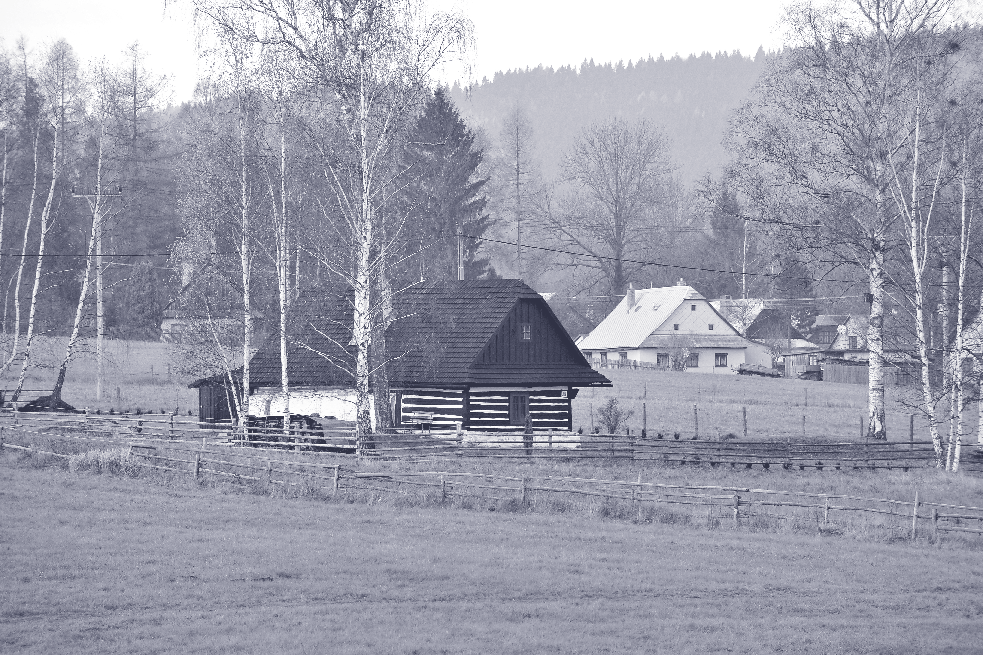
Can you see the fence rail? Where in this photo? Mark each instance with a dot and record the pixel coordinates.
(719, 504)
(787, 454)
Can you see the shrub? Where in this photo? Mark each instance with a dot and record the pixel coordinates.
(613, 417)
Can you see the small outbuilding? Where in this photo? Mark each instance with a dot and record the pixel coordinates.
(482, 354)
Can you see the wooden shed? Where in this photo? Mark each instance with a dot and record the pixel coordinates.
(484, 354)
(216, 407)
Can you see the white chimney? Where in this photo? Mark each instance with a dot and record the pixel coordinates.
(630, 296)
(681, 283)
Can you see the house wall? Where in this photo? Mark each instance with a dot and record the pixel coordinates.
(446, 406)
(696, 321)
(328, 402)
(757, 354)
(549, 408)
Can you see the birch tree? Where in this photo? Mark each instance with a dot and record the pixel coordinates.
(823, 124)
(60, 86)
(373, 57)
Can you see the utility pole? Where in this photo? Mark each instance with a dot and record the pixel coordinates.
(95, 201)
(460, 253)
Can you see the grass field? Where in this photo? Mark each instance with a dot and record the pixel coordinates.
(144, 375)
(775, 407)
(96, 564)
(138, 374)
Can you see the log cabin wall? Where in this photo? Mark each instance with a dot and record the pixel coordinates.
(491, 410)
(446, 406)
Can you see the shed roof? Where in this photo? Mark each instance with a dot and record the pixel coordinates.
(628, 327)
(439, 332)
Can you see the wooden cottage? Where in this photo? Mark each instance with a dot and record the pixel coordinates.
(484, 354)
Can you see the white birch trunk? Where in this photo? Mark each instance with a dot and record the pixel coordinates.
(956, 433)
(45, 227)
(23, 256)
(876, 423)
(245, 250)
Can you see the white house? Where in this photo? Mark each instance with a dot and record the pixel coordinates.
(671, 327)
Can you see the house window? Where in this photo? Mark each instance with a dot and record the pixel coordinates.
(622, 357)
(518, 408)
(692, 360)
(853, 343)
(720, 360)
(710, 326)
(527, 332)
(604, 358)
(662, 360)
(675, 326)
(813, 360)
(692, 308)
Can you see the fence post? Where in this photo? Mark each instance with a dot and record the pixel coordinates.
(911, 431)
(935, 522)
(336, 475)
(139, 425)
(803, 426)
(269, 472)
(525, 493)
(197, 465)
(443, 489)
(1, 438)
(16, 415)
(737, 508)
(645, 420)
(744, 416)
(914, 516)
(170, 429)
(709, 513)
(696, 421)
(825, 510)
(551, 438)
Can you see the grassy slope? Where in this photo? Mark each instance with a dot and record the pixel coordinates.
(95, 564)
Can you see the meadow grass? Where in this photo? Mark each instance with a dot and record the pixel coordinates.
(96, 564)
(137, 375)
(144, 375)
(775, 406)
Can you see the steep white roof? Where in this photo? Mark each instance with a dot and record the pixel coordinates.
(627, 327)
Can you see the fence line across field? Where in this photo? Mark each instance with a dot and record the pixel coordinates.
(787, 453)
(345, 478)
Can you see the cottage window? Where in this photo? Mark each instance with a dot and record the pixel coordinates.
(710, 326)
(675, 326)
(604, 358)
(692, 308)
(622, 357)
(692, 360)
(853, 343)
(813, 360)
(518, 408)
(527, 331)
(662, 360)
(720, 360)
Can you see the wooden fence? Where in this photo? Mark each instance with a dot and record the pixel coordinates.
(718, 505)
(785, 454)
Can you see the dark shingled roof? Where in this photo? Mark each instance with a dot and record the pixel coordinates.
(772, 324)
(437, 338)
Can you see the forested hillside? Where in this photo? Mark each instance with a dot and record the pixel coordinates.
(690, 98)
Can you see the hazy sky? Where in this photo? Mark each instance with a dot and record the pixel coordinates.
(508, 33)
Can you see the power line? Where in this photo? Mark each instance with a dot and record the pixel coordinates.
(699, 269)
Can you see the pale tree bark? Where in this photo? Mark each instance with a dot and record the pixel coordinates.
(60, 83)
(245, 246)
(958, 356)
(876, 415)
(374, 57)
(918, 214)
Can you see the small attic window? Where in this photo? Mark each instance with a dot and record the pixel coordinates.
(675, 326)
(692, 308)
(710, 326)
(527, 331)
